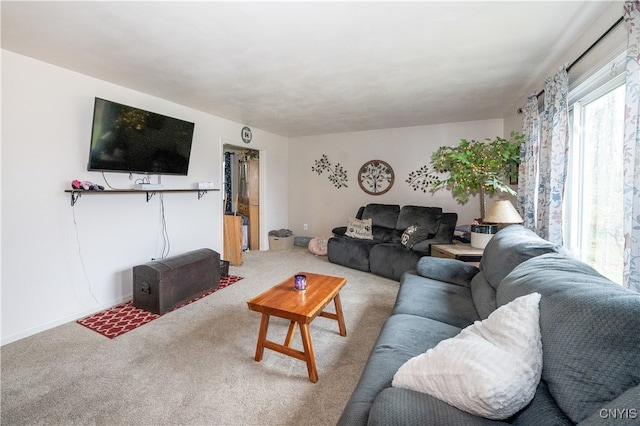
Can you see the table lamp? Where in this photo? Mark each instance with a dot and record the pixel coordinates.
(501, 212)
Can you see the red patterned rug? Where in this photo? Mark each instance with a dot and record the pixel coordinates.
(116, 321)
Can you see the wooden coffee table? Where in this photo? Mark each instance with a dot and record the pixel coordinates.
(299, 307)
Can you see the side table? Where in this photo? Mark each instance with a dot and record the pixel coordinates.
(460, 251)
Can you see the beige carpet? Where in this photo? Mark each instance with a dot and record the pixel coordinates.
(195, 366)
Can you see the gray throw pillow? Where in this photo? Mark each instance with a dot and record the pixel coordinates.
(413, 235)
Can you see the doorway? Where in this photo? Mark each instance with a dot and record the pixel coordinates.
(241, 184)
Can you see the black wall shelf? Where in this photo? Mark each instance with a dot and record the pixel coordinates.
(77, 193)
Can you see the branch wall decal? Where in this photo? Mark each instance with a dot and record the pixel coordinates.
(421, 179)
(337, 175)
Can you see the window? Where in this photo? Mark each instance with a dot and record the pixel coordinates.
(593, 198)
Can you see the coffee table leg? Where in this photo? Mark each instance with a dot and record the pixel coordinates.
(341, 325)
(290, 333)
(308, 351)
(262, 336)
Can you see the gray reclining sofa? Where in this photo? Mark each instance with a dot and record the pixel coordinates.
(589, 327)
(385, 255)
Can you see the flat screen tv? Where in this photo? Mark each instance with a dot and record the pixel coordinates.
(132, 140)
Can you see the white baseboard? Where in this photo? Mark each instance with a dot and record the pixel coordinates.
(61, 321)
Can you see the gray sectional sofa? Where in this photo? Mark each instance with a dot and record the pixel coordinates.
(589, 327)
(384, 254)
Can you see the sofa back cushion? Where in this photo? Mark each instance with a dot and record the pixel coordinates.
(383, 215)
(483, 295)
(589, 327)
(427, 217)
(510, 247)
(507, 249)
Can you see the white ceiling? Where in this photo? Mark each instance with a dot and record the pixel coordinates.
(304, 68)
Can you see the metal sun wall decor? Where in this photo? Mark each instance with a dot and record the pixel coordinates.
(337, 175)
(376, 177)
(422, 179)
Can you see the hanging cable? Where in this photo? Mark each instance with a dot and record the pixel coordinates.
(81, 257)
(166, 243)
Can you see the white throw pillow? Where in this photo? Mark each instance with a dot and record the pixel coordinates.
(491, 369)
(359, 228)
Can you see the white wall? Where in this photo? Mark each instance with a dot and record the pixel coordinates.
(313, 200)
(60, 263)
(605, 51)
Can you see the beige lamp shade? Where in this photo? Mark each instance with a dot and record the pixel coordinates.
(502, 211)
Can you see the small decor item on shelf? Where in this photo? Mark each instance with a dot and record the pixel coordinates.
(376, 177)
(300, 282)
(86, 185)
(337, 175)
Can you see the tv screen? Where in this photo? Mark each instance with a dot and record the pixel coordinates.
(132, 140)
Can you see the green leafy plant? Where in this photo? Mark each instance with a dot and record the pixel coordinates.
(478, 167)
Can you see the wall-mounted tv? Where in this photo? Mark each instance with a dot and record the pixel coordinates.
(132, 140)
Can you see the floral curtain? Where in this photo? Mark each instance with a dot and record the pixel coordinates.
(554, 146)
(528, 172)
(631, 176)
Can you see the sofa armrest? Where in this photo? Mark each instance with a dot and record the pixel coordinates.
(448, 270)
(339, 231)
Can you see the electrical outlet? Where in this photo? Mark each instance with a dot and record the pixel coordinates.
(305, 227)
